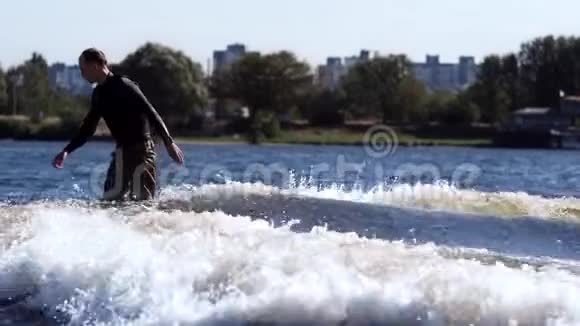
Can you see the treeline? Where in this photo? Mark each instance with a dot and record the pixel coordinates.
(275, 85)
(26, 99)
(31, 107)
(385, 88)
(536, 75)
(25, 90)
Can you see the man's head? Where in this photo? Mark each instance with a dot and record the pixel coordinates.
(93, 65)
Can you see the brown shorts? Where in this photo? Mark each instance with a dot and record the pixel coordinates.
(131, 173)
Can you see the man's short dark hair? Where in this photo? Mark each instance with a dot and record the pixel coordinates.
(94, 55)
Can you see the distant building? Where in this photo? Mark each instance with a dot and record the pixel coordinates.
(467, 73)
(330, 74)
(349, 62)
(219, 59)
(451, 77)
(543, 127)
(537, 119)
(68, 79)
(565, 118)
(224, 58)
(437, 76)
(532, 127)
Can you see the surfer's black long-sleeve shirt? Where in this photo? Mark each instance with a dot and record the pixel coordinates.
(127, 112)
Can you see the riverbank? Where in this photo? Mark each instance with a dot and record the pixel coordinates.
(339, 136)
(300, 138)
(354, 133)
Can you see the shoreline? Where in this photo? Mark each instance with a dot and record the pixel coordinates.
(395, 137)
(451, 143)
(478, 143)
(351, 135)
(224, 141)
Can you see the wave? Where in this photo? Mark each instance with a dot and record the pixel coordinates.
(432, 197)
(77, 263)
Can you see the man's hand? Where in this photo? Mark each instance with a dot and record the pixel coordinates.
(58, 161)
(175, 153)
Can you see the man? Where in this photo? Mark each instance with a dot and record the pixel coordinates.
(130, 118)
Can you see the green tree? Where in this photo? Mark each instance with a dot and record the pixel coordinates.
(71, 109)
(30, 80)
(29, 93)
(550, 65)
(267, 84)
(171, 81)
(373, 87)
(324, 107)
(490, 93)
(437, 105)
(511, 81)
(541, 71)
(412, 100)
(569, 58)
(461, 111)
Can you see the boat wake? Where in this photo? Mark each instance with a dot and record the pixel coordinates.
(249, 254)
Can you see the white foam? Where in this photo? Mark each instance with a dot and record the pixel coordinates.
(439, 196)
(148, 267)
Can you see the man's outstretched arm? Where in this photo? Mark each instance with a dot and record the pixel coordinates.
(139, 100)
(87, 129)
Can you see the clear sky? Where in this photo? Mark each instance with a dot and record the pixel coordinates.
(313, 29)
